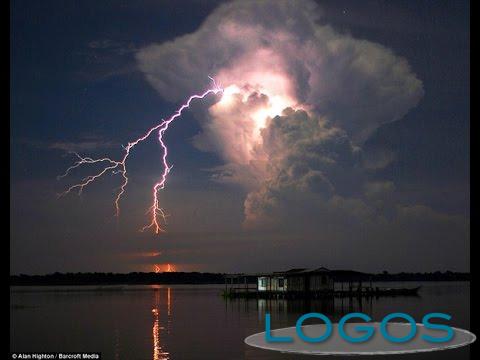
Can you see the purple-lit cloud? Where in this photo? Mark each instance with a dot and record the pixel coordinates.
(300, 98)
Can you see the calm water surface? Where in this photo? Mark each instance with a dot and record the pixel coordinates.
(195, 322)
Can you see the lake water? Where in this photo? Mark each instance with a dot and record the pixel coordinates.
(195, 322)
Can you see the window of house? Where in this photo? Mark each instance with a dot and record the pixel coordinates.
(281, 283)
(263, 282)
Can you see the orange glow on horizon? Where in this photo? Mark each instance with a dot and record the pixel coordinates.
(158, 268)
(170, 268)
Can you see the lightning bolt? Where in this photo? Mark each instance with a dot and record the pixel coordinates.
(155, 211)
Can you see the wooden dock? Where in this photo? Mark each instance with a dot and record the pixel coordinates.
(249, 293)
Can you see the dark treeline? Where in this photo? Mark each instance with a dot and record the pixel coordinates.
(111, 278)
(206, 278)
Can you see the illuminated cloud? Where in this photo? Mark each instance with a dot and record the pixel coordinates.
(300, 101)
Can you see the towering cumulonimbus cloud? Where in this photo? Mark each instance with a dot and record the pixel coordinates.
(300, 100)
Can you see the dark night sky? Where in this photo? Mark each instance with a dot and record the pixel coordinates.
(75, 83)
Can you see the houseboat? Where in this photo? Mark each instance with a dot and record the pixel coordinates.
(307, 283)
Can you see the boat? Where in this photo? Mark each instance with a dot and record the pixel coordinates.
(398, 291)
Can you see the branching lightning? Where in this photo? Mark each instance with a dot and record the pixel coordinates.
(120, 167)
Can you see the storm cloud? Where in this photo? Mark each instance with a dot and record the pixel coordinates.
(300, 98)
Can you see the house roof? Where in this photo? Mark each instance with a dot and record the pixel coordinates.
(291, 271)
(349, 275)
(337, 275)
(298, 271)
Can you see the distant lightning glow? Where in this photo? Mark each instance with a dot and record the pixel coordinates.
(120, 167)
(158, 269)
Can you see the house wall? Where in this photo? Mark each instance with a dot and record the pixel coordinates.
(262, 283)
(279, 284)
(319, 282)
(266, 283)
(304, 282)
(296, 283)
